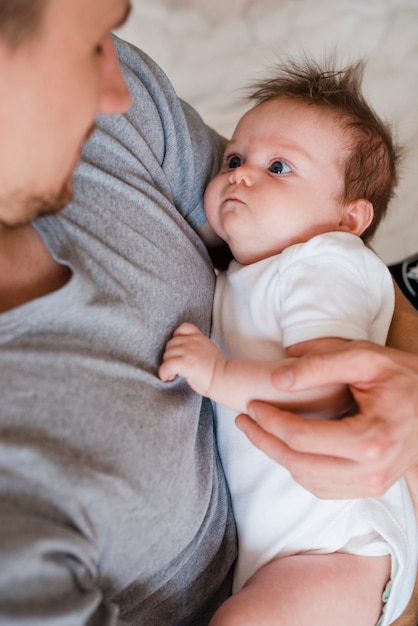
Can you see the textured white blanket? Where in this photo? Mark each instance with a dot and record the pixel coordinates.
(210, 49)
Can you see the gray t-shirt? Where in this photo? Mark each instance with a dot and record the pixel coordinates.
(114, 508)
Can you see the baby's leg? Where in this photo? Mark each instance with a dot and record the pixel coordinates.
(319, 590)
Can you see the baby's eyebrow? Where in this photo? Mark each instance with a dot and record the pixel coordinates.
(293, 146)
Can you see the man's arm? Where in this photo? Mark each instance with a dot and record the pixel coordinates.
(403, 332)
(48, 568)
(404, 335)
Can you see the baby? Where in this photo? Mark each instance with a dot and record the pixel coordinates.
(306, 179)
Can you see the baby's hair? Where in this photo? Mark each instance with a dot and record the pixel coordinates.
(372, 158)
(19, 20)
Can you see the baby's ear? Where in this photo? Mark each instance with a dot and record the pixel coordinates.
(357, 216)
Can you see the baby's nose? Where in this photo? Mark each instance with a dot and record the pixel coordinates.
(241, 174)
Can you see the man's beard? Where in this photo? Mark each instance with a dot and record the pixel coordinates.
(54, 203)
(33, 207)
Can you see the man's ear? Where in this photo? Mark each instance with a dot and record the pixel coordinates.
(357, 216)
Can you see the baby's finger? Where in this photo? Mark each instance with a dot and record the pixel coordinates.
(186, 329)
(166, 372)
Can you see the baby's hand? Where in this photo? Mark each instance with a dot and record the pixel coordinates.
(193, 356)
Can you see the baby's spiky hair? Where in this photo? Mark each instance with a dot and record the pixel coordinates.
(372, 158)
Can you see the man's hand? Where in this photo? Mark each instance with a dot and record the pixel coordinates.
(357, 456)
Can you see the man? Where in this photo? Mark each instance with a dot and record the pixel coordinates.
(113, 503)
(114, 507)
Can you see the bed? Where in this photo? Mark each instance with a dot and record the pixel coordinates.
(211, 49)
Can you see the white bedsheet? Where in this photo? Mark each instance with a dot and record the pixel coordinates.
(210, 49)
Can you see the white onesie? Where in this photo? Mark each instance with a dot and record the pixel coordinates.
(331, 286)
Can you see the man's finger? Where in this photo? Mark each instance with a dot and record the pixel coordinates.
(354, 364)
(324, 476)
(314, 436)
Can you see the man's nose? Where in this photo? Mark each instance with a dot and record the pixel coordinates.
(115, 96)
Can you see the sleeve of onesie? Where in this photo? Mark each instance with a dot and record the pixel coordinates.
(334, 286)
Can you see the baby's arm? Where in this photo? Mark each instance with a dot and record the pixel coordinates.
(235, 382)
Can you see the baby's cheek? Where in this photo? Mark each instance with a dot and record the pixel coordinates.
(212, 206)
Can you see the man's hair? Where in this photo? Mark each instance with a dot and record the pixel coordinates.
(372, 159)
(19, 20)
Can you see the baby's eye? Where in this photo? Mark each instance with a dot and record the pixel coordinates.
(234, 161)
(279, 167)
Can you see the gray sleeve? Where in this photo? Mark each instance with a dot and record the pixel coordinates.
(161, 140)
(48, 563)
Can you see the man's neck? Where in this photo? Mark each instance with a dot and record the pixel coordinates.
(27, 269)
